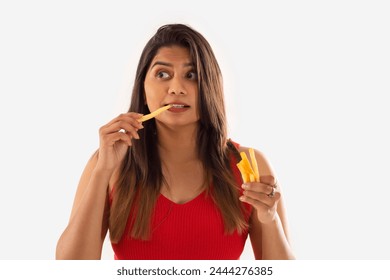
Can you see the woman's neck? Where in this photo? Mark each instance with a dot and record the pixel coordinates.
(178, 145)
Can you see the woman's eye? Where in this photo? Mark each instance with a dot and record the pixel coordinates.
(162, 75)
(191, 75)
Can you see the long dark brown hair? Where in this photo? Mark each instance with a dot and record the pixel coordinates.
(141, 176)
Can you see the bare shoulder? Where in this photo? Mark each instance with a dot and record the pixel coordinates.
(263, 163)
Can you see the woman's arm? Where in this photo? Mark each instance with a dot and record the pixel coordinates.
(84, 236)
(268, 223)
(271, 240)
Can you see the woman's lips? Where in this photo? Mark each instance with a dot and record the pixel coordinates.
(178, 107)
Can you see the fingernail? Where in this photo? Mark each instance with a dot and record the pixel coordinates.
(242, 198)
(245, 186)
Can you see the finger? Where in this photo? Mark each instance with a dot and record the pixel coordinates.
(128, 129)
(121, 125)
(111, 139)
(131, 134)
(263, 198)
(131, 115)
(255, 203)
(133, 120)
(258, 187)
(127, 120)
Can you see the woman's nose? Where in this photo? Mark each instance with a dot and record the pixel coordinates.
(176, 87)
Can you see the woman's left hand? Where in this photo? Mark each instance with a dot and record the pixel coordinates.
(263, 196)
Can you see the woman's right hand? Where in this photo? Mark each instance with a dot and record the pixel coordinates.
(115, 139)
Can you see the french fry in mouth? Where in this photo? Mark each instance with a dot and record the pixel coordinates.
(155, 113)
(249, 172)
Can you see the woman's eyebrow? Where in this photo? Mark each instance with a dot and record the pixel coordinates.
(162, 63)
(190, 64)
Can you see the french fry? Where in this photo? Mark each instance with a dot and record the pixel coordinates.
(154, 114)
(254, 164)
(246, 164)
(249, 173)
(244, 174)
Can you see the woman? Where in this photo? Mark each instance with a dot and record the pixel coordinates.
(169, 188)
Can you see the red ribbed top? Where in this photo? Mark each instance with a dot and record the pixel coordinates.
(190, 231)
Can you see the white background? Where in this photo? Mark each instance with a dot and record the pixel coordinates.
(305, 81)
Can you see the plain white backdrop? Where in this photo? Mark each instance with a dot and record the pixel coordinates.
(306, 82)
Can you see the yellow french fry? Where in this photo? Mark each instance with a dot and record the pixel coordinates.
(254, 165)
(244, 174)
(155, 113)
(249, 173)
(246, 164)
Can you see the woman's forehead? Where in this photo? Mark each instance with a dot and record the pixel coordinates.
(173, 53)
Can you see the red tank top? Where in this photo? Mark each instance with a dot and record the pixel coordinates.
(190, 231)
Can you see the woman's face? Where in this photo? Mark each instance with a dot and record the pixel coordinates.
(172, 79)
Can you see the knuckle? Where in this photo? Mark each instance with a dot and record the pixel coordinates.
(123, 124)
(101, 129)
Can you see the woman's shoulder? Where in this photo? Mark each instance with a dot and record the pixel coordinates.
(245, 149)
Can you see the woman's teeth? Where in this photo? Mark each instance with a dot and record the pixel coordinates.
(178, 106)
